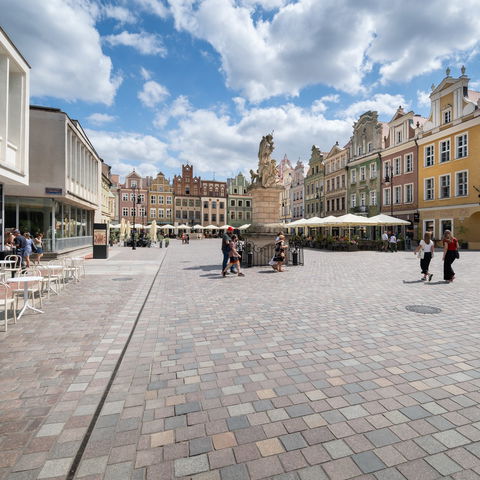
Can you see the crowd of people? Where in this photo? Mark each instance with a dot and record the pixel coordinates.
(29, 248)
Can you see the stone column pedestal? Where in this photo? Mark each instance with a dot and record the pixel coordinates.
(265, 204)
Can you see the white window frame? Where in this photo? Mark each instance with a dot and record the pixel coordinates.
(363, 173)
(397, 194)
(373, 198)
(386, 196)
(353, 200)
(463, 147)
(153, 199)
(153, 212)
(447, 111)
(440, 186)
(444, 152)
(168, 212)
(125, 197)
(169, 200)
(353, 175)
(387, 166)
(445, 220)
(405, 195)
(363, 199)
(425, 189)
(125, 211)
(406, 159)
(397, 166)
(373, 170)
(427, 156)
(456, 184)
(160, 213)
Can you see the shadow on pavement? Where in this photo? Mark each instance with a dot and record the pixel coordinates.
(206, 268)
(414, 281)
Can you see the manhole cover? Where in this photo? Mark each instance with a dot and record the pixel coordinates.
(425, 309)
(122, 279)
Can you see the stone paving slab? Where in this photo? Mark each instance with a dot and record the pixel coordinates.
(316, 373)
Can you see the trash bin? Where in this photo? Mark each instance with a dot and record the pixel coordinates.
(249, 259)
(295, 257)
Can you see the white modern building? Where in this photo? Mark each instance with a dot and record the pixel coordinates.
(14, 119)
(65, 183)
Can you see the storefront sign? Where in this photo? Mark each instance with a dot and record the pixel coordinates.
(53, 191)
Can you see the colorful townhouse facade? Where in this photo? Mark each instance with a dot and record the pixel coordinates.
(399, 172)
(239, 202)
(449, 168)
(336, 181)
(285, 175)
(132, 199)
(213, 203)
(187, 192)
(314, 185)
(366, 145)
(297, 191)
(160, 201)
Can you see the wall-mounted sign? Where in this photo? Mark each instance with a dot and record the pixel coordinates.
(53, 191)
(99, 237)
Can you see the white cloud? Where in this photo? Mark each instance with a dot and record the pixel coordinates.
(155, 7)
(332, 42)
(145, 43)
(383, 103)
(320, 104)
(121, 14)
(146, 74)
(152, 93)
(49, 35)
(100, 118)
(216, 142)
(423, 98)
(127, 150)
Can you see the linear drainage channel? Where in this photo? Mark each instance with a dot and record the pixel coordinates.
(122, 279)
(424, 309)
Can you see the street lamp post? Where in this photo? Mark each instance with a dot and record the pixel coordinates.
(136, 200)
(389, 179)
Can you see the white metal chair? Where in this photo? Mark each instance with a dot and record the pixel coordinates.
(34, 288)
(8, 301)
(16, 267)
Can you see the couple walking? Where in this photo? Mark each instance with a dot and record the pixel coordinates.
(425, 251)
(231, 257)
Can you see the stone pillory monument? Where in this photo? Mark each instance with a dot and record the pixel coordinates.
(265, 189)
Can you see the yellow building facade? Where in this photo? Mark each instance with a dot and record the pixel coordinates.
(449, 163)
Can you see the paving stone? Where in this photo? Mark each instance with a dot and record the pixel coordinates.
(188, 407)
(312, 473)
(443, 464)
(236, 423)
(235, 472)
(382, 437)
(451, 438)
(198, 446)
(337, 449)
(293, 441)
(190, 466)
(368, 462)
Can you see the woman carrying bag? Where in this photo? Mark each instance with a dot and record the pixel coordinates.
(425, 251)
(450, 254)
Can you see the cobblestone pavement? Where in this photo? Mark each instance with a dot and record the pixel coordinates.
(317, 373)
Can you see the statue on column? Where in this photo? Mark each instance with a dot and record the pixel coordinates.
(267, 173)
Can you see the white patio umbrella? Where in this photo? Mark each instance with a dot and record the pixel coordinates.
(383, 219)
(115, 226)
(138, 225)
(198, 227)
(224, 227)
(350, 220)
(211, 227)
(244, 227)
(167, 227)
(296, 223)
(153, 231)
(185, 227)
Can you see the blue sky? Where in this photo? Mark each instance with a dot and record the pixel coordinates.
(157, 83)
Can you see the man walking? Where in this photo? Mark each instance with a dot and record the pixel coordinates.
(20, 245)
(385, 241)
(226, 239)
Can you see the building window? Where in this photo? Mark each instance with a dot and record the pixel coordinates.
(461, 181)
(363, 174)
(429, 156)
(133, 183)
(160, 199)
(132, 211)
(214, 205)
(373, 170)
(132, 197)
(214, 217)
(125, 197)
(446, 225)
(397, 168)
(445, 186)
(232, 203)
(444, 151)
(353, 200)
(190, 202)
(153, 199)
(160, 213)
(373, 198)
(370, 147)
(447, 116)
(353, 175)
(247, 203)
(240, 203)
(142, 212)
(178, 214)
(387, 169)
(205, 217)
(247, 216)
(240, 215)
(398, 136)
(429, 226)
(397, 195)
(222, 205)
(462, 145)
(205, 204)
(153, 212)
(142, 197)
(125, 212)
(386, 196)
(232, 215)
(178, 202)
(343, 180)
(169, 200)
(343, 203)
(409, 193)
(169, 212)
(363, 199)
(408, 163)
(429, 189)
(337, 181)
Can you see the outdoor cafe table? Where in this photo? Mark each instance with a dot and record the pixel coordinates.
(25, 280)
